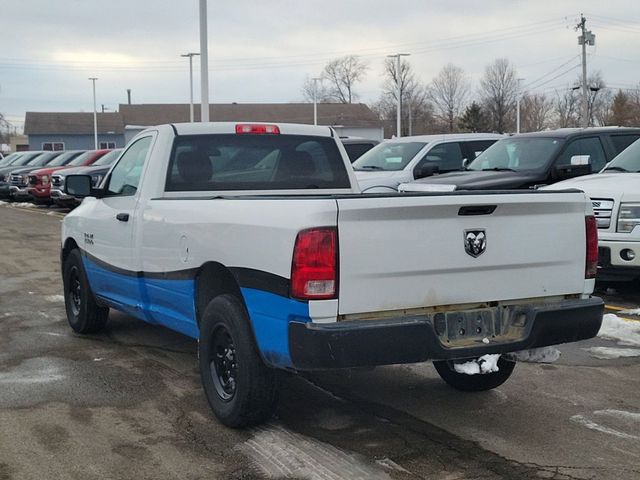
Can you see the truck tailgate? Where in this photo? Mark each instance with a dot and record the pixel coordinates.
(401, 252)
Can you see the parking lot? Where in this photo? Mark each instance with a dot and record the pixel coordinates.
(128, 403)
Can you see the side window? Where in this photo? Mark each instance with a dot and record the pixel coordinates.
(620, 142)
(585, 146)
(125, 176)
(448, 156)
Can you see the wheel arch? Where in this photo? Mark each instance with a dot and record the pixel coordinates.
(214, 279)
(69, 245)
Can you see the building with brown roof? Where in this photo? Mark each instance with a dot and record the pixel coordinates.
(75, 130)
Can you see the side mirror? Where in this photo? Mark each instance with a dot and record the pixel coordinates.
(580, 160)
(465, 162)
(79, 186)
(426, 170)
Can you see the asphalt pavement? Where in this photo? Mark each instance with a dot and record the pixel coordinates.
(127, 403)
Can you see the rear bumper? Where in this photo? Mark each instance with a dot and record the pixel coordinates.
(416, 339)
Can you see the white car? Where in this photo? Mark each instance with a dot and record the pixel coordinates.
(254, 239)
(405, 159)
(615, 197)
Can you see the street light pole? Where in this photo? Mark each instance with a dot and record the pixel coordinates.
(95, 114)
(190, 55)
(315, 101)
(399, 93)
(204, 64)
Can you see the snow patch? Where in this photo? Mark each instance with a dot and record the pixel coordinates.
(484, 364)
(635, 311)
(608, 353)
(46, 375)
(24, 205)
(280, 453)
(2, 203)
(54, 298)
(537, 355)
(619, 414)
(625, 332)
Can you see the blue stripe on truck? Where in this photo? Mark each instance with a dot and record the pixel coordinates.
(171, 303)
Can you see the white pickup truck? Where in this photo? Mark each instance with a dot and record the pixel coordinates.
(615, 198)
(254, 239)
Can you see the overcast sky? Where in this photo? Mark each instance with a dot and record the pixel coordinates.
(261, 51)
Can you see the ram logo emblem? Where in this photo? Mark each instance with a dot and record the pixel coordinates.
(475, 242)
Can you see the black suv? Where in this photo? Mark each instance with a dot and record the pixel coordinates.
(532, 159)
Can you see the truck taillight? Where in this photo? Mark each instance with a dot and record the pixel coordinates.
(591, 228)
(257, 128)
(314, 270)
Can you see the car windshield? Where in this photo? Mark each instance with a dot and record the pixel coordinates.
(627, 161)
(107, 158)
(519, 153)
(43, 159)
(24, 159)
(80, 159)
(388, 156)
(64, 159)
(9, 159)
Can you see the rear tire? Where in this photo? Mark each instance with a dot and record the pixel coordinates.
(83, 312)
(475, 383)
(241, 390)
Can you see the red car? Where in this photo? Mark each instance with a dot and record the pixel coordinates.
(40, 180)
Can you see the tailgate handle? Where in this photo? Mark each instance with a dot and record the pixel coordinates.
(477, 210)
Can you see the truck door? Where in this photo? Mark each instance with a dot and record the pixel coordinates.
(111, 263)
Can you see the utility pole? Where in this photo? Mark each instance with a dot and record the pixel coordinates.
(586, 38)
(519, 95)
(397, 56)
(95, 114)
(315, 100)
(190, 55)
(204, 64)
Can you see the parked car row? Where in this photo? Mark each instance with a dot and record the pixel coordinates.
(36, 176)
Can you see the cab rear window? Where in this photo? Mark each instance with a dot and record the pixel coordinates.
(255, 162)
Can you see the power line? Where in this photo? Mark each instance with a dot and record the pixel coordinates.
(573, 57)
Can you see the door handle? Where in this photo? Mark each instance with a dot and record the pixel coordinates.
(123, 217)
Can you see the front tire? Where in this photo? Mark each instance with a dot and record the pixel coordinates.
(83, 312)
(475, 383)
(241, 390)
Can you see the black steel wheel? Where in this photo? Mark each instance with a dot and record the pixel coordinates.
(241, 390)
(222, 363)
(83, 312)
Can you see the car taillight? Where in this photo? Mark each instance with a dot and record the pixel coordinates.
(314, 270)
(259, 129)
(591, 229)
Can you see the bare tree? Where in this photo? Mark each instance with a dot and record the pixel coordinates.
(566, 107)
(448, 92)
(342, 74)
(416, 109)
(322, 94)
(536, 112)
(600, 99)
(498, 88)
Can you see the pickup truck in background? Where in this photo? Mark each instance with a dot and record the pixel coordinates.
(405, 159)
(39, 188)
(535, 159)
(97, 170)
(255, 239)
(615, 198)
